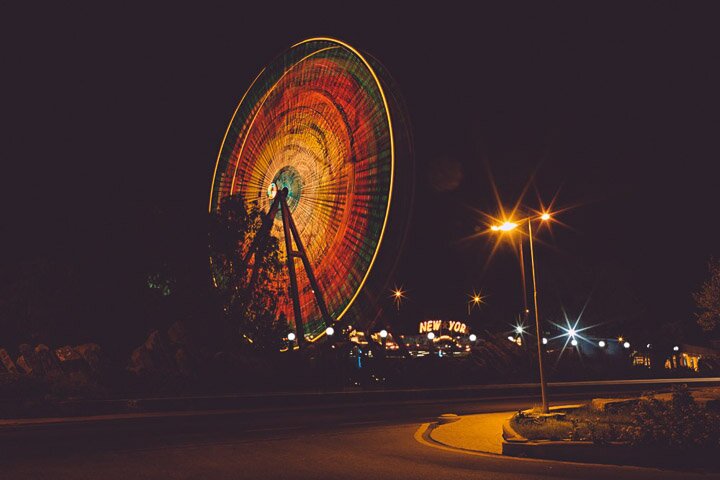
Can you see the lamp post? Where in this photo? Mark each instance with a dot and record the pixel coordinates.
(398, 294)
(507, 227)
(476, 299)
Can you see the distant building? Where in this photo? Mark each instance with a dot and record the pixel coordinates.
(694, 357)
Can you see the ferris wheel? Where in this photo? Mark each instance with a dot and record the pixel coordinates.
(320, 142)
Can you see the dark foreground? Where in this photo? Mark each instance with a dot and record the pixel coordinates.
(354, 442)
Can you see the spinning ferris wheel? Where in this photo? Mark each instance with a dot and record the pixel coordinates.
(320, 143)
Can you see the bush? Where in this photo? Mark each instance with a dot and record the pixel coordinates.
(678, 424)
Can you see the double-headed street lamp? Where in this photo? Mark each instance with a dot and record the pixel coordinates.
(509, 226)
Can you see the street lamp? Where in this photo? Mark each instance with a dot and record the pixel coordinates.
(330, 331)
(509, 226)
(398, 294)
(476, 299)
(472, 337)
(291, 336)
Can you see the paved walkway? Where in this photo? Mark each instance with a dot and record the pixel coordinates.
(482, 432)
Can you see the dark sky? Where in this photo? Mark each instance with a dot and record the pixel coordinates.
(110, 114)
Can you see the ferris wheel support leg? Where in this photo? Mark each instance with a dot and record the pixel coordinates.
(306, 264)
(299, 327)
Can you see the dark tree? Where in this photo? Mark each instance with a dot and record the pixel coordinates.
(245, 287)
(707, 298)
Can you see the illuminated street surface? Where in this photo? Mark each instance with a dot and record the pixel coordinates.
(329, 442)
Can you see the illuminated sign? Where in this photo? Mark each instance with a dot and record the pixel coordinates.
(438, 325)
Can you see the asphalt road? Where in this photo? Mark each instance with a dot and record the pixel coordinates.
(343, 442)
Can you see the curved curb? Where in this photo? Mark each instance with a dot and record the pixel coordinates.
(423, 435)
(510, 435)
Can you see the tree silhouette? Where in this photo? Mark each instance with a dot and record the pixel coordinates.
(707, 298)
(246, 287)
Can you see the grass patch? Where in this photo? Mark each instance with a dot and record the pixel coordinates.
(541, 428)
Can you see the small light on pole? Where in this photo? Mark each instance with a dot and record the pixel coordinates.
(398, 294)
(472, 337)
(291, 336)
(601, 343)
(573, 342)
(676, 348)
(544, 341)
(383, 333)
(330, 331)
(431, 335)
(626, 344)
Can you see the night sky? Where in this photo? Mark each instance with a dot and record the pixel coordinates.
(111, 115)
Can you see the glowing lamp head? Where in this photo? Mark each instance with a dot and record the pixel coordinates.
(472, 337)
(291, 336)
(383, 333)
(573, 342)
(626, 344)
(601, 343)
(676, 348)
(431, 336)
(544, 341)
(545, 217)
(507, 226)
(330, 331)
(511, 338)
(519, 329)
(571, 332)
